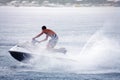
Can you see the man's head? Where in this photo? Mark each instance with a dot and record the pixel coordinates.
(44, 27)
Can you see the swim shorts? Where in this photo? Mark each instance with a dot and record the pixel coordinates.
(53, 41)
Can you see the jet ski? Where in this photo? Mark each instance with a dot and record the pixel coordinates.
(23, 51)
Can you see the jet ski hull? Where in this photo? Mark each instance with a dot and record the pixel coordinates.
(20, 56)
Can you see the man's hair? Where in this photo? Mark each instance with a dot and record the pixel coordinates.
(44, 27)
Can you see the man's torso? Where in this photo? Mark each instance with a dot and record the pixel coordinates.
(49, 32)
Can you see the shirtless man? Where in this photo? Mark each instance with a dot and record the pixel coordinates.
(49, 33)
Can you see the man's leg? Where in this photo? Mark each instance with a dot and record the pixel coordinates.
(52, 43)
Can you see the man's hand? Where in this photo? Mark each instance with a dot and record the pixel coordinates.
(40, 41)
(33, 38)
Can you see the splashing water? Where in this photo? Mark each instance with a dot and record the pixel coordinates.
(100, 53)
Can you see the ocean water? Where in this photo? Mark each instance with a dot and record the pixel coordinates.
(90, 35)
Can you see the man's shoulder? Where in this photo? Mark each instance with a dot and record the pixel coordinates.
(49, 30)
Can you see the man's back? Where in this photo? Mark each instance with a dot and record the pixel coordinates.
(49, 32)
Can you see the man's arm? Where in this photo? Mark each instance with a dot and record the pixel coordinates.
(44, 39)
(38, 35)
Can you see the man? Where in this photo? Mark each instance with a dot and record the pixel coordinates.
(49, 33)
